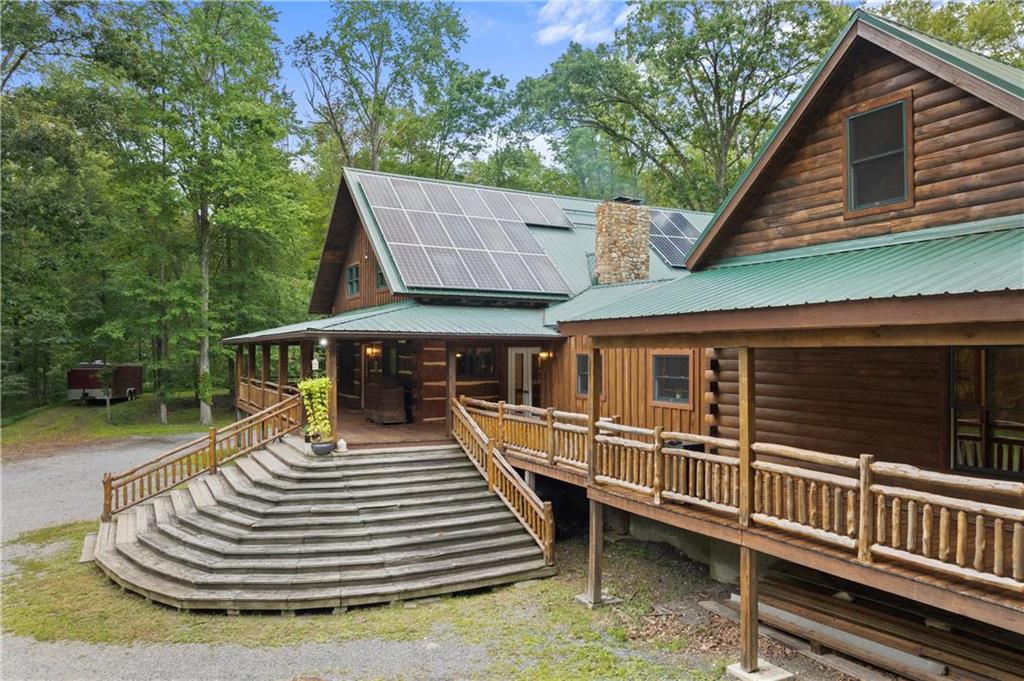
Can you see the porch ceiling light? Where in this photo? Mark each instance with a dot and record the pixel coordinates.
(323, 342)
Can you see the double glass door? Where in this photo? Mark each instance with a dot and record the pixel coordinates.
(524, 376)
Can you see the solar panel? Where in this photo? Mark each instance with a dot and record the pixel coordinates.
(464, 238)
(441, 198)
(449, 267)
(395, 225)
(520, 236)
(428, 228)
(413, 264)
(672, 236)
(552, 213)
(498, 203)
(379, 191)
(411, 195)
(471, 202)
(513, 268)
(545, 273)
(528, 211)
(461, 231)
(483, 269)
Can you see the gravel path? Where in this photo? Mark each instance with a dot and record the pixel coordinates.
(50, 490)
(26, 659)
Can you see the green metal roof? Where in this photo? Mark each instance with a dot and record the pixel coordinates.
(973, 257)
(567, 248)
(1000, 75)
(598, 296)
(411, 318)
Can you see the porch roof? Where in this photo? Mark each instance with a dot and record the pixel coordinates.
(982, 256)
(410, 318)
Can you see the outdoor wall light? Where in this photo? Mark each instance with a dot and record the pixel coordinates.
(323, 342)
(545, 354)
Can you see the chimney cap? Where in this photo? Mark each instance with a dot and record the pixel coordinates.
(631, 200)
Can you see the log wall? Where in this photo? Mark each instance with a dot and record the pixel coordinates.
(890, 402)
(966, 163)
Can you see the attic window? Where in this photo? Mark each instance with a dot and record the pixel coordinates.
(878, 150)
(352, 281)
(381, 281)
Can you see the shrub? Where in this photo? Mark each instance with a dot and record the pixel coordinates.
(315, 398)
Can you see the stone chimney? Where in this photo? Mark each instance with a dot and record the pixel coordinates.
(623, 232)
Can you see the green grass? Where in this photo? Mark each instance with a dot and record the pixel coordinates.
(72, 424)
(531, 631)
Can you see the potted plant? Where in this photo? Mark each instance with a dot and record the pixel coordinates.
(315, 394)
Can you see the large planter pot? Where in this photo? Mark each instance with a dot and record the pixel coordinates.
(322, 448)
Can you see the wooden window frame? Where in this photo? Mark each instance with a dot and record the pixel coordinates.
(576, 375)
(907, 98)
(381, 280)
(349, 294)
(670, 352)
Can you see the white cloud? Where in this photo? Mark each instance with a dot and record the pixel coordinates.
(585, 21)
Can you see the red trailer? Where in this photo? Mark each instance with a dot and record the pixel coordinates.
(84, 382)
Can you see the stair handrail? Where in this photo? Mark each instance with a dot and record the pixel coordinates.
(204, 454)
(536, 515)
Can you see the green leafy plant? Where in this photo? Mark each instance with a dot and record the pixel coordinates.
(315, 398)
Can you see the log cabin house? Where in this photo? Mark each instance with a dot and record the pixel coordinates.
(828, 371)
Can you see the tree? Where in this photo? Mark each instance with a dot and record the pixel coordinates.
(219, 74)
(994, 28)
(35, 32)
(372, 67)
(691, 87)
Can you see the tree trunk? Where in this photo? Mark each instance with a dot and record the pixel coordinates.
(205, 407)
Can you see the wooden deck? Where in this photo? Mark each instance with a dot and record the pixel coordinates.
(360, 433)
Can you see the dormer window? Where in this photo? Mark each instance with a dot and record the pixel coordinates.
(878, 154)
(352, 281)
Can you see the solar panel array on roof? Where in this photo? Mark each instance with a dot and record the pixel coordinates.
(462, 237)
(672, 236)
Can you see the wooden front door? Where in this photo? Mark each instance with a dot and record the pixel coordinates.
(524, 376)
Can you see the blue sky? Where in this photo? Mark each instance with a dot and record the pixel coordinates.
(515, 39)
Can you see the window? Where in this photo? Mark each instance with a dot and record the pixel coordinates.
(352, 280)
(878, 155)
(381, 281)
(988, 410)
(582, 374)
(670, 384)
(475, 362)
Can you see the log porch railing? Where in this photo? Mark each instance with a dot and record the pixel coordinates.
(485, 453)
(255, 395)
(870, 509)
(202, 455)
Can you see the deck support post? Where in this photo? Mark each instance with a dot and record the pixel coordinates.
(594, 597)
(593, 409)
(331, 371)
(452, 384)
(748, 609)
(530, 478)
(748, 427)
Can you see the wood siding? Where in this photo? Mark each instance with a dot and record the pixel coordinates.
(890, 402)
(626, 390)
(966, 163)
(361, 253)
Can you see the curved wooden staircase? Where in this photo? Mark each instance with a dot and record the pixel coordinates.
(284, 531)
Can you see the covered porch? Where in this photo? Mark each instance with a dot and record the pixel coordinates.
(396, 367)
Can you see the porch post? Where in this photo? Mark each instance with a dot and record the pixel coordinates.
(305, 359)
(593, 409)
(748, 557)
(592, 597)
(239, 361)
(452, 385)
(251, 369)
(282, 369)
(265, 376)
(331, 371)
